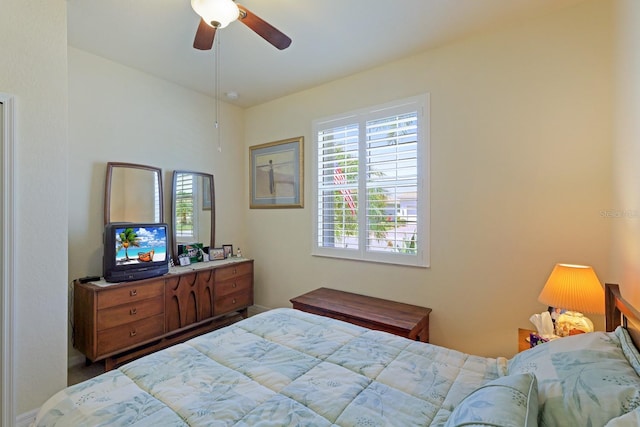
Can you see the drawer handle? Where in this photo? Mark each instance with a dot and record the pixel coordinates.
(233, 301)
(133, 311)
(235, 271)
(235, 285)
(132, 333)
(133, 292)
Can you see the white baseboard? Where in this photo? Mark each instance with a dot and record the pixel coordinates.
(26, 419)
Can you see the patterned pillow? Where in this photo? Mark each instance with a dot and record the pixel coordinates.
(507, 401)
(582, 379)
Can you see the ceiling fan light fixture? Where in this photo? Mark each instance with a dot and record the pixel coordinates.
(217, 13)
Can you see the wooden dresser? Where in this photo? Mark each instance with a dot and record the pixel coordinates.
(120, 322)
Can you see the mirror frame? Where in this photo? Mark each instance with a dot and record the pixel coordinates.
(212, 195)
(107, 187)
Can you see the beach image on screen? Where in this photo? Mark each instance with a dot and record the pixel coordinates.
(136, 245)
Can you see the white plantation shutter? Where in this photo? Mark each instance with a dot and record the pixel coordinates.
(337, 185)
(185, 201)
(392, 159)
(157, 201)
(371, 194)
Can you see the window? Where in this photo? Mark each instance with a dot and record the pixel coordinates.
(185, 202)
(371, 198)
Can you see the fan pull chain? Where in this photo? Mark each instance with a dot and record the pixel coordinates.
(217, 89)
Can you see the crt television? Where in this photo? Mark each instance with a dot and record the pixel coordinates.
(134, 251)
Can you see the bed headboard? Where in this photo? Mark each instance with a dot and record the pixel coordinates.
(620, 312)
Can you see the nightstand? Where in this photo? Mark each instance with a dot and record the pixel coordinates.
(523, 339)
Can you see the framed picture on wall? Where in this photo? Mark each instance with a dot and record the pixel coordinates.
(276, 174)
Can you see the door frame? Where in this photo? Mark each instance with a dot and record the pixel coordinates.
(7, 261)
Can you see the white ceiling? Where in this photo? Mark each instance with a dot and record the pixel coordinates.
(331, 38)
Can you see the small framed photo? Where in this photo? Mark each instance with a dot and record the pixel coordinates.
(193, 251)
(228, 250)
(216, 253)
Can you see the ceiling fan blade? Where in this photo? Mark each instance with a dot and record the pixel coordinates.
(204, 36)
(264, 29)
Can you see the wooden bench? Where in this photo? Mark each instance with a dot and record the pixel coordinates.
(406, 320)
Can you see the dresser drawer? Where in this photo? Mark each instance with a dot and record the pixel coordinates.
(236, 270)
(232, 302)
(129, 293)
(131, 312)
(241, 284)
(124, 336)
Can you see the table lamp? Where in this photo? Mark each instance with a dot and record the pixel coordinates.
(576, 289)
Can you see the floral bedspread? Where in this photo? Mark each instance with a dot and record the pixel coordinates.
(282, 367)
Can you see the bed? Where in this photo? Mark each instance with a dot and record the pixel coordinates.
(287, 367)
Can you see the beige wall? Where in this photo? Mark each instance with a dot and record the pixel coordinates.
(120, 114)
(625, 207)
(33, 60)
(520, 171)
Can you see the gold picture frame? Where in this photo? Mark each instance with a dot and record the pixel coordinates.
(276, 174)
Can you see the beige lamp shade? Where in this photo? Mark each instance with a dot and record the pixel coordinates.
(573, 287)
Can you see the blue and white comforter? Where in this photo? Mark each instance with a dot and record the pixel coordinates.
(282, 367)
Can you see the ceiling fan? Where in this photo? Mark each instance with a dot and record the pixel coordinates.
(215, 14)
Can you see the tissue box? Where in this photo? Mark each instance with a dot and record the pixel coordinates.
(535, 339)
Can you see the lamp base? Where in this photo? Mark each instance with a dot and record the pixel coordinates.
(571, 323)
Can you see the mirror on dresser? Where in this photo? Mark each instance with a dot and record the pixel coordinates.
(133, 193)
(193, 218)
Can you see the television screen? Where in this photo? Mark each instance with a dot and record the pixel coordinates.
(140, 244)
(135, 251)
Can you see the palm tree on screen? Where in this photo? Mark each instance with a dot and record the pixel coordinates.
(127, 238)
